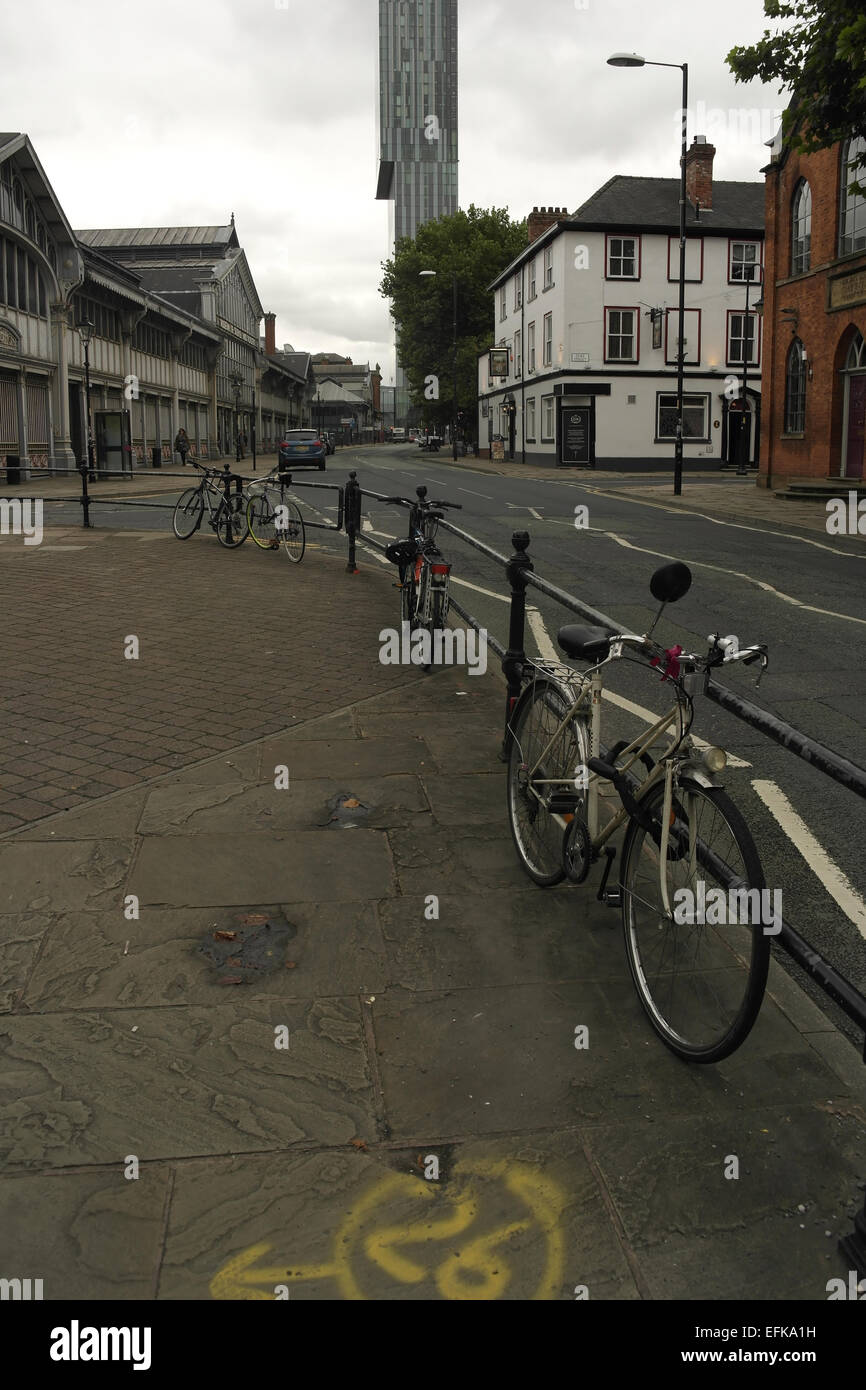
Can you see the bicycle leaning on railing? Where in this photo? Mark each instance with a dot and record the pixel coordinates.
(274, 519)
(700, 971)
(425, 574)
(227, 510)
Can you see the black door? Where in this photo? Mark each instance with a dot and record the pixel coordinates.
(112, 432)
(739, 423)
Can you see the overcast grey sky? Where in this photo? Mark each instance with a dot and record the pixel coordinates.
(181, 112)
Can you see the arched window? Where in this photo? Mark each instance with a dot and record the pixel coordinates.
(801, 228)
(856, 358)
(852, 206)
(795, 389)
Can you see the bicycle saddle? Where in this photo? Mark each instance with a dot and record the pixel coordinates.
(576, 640)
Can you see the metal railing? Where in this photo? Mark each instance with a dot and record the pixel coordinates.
(224, 477)
(521, 575)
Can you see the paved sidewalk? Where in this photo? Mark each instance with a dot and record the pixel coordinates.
(246, 1050)
(232, 644)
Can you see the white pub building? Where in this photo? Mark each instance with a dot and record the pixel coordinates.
(589, 316)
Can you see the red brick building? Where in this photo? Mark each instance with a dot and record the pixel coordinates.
(814, 369)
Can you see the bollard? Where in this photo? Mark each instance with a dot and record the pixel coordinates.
(85, 496)
(515, 658)
(352, 513)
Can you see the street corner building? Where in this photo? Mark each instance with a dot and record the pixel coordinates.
(589, 316)
(814, 320)
(174, 338)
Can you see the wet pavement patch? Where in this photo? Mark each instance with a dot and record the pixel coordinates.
(346, 811)
(253, 943)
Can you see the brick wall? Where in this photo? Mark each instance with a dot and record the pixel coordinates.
(825, 333)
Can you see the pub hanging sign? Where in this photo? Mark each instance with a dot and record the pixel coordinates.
(498, 362)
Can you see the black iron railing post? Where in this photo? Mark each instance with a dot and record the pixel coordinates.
(352, 513)
(85, 495)
(514, 659)
(854, 1245)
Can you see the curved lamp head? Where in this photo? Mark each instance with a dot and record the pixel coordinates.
(626, 60)
(85, 329)
(425, 272)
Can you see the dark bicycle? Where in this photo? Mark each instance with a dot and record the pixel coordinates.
(227, 510)
(425, 574)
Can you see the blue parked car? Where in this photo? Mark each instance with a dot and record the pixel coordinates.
(302, 448)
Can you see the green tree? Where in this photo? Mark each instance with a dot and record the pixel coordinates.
(475, 246)
(818, 52)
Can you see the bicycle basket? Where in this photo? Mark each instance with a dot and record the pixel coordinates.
(401, 553)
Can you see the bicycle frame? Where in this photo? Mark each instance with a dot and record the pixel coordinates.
(590, 693)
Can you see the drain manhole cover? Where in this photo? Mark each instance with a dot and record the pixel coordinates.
(252, 943)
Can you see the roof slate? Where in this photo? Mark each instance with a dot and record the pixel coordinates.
(737, 205)
(117, 237)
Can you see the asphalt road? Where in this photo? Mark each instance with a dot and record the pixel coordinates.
(799, 592)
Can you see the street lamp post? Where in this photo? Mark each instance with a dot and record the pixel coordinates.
(85, 330)
(633, 60)
(454, 362)
(236, 389)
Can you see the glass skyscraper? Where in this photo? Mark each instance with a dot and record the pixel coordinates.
(418, 110)
(417, 120)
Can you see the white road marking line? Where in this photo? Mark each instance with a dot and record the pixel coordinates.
(817, 858)
(536, 514)
(548, 651)
(736, 525)
(469, 491)
(375, 553)
(464, 584)
(736, 574)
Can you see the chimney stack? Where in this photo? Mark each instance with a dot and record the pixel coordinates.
(541, 218)
(699, 172)
(270, 333)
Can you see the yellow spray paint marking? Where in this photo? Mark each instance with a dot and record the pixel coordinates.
(237, 1279)
(477, 1269)
(380, 1247)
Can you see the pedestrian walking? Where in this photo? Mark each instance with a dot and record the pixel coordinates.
(181, 445)
(242, 444)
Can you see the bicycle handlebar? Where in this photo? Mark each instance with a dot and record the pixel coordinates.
(722, 652)
(423, 504)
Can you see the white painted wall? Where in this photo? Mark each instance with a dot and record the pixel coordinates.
(577, 302)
